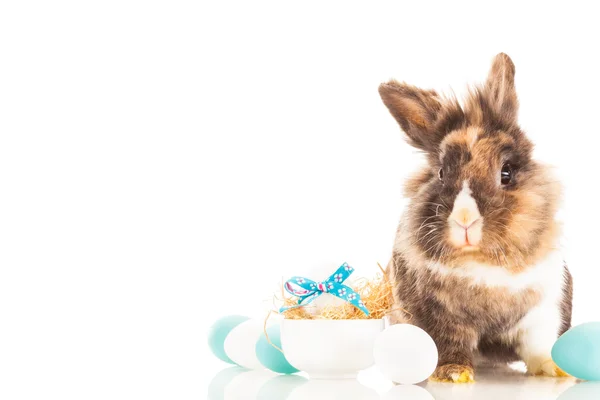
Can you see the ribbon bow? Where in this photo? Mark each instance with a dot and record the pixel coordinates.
(307, 290)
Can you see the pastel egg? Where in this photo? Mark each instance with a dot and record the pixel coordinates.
(405, 354)
(577, 351)
(219, 331)
(240, 344)
(271, 357)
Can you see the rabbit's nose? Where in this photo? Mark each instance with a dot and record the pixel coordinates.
(465, 211)
(465, 218)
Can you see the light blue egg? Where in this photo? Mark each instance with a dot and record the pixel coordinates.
(577, 352)
(271, 357)
(219, 331)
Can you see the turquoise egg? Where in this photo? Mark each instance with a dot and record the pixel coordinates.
(219, 331)
(269, 356)
(577, 352)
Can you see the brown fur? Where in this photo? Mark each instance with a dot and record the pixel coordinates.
(471, 143)
(566, 305)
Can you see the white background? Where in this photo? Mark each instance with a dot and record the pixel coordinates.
(163, 164)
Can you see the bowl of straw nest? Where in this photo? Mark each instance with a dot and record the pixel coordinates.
(335, 340)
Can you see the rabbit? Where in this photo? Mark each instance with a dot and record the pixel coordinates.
(476, 260)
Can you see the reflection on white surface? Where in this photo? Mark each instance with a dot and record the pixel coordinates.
(501, 382)
(582, 391)
(246, 386)
(411, 392)
(280, 387)
(216, 388)
(343, 389)
(238, 383)
(491, 384)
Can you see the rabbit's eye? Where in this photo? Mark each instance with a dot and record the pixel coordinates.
(441, 174)
(506, 174)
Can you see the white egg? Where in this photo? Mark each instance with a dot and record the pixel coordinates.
(324, 270)
(325, 300)
(240, 344)
(405, 354)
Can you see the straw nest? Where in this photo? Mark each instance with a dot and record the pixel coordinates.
(375, 293)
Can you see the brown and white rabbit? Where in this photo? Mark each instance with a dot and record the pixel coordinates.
(475, 260)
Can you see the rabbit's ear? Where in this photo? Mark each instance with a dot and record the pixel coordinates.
(415, 110)
(500, 88)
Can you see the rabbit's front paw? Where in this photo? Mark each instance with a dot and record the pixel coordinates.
(545, 367)
(453, 373)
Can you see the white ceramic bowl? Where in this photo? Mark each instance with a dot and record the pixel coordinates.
(330, 349)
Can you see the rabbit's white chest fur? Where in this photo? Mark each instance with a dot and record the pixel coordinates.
(545, 276)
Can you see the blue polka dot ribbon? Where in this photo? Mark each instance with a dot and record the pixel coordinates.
(307, 290)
